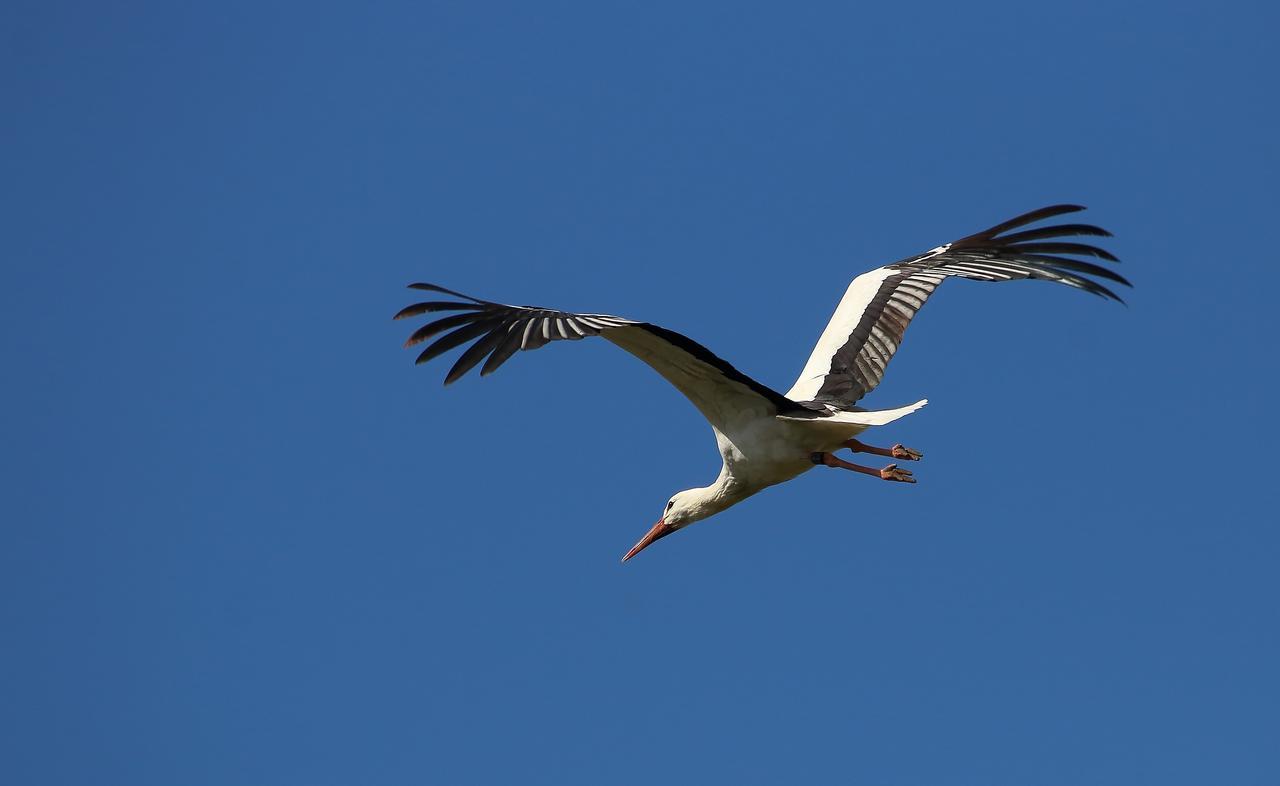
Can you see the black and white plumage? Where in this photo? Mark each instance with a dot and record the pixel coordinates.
(766, 437)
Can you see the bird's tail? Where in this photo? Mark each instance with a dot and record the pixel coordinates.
(874, 417)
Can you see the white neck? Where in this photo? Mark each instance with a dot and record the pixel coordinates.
(724, 493)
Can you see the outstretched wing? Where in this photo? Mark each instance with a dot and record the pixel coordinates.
(867, 328)
(497, 331)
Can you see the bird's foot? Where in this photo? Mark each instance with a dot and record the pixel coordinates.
(905, 453)
(899, 451)
(892, 472)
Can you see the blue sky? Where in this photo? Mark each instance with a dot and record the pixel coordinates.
(247, 541)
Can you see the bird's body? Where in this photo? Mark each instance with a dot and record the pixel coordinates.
(759, 452)
(765, 437)
(759, 448)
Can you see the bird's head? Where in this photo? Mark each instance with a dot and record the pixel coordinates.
(681, 510)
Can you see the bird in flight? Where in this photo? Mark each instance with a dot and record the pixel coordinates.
(766, 437)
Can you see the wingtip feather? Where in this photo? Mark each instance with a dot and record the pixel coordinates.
(1026, 218)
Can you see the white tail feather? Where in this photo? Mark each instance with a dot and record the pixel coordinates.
(875, 417)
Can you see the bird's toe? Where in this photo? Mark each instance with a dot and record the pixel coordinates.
(905, 453)
(895, 473)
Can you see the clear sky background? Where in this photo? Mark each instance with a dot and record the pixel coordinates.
(246, 541)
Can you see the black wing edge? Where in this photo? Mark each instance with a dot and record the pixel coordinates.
(498, 330)
(1038, 251)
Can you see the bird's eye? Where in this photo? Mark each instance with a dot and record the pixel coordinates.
(670, 503)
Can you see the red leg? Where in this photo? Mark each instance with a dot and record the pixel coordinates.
(897, 451)
(891, 472)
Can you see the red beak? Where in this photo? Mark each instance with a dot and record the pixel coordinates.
(660, 530)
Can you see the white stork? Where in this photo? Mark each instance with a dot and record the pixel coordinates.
(766, 437)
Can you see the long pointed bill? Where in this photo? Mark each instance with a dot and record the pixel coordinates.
(660, 530)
